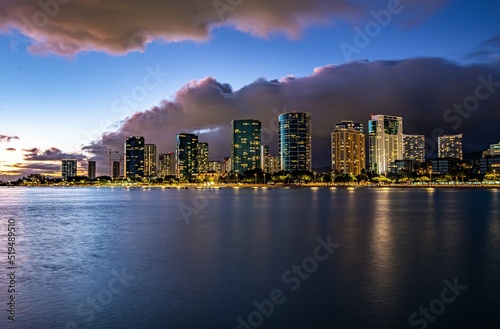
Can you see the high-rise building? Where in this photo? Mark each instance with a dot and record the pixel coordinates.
(116, 169)
(91, 170)
(295, 145)
(385, 137)
(414, 148)
(162, 165)
(202, 157)
(226, 166)
(493, 151)
(490, 161)
(272, 164)
(264, 155)
(214, 166)
(348, 148)
(171, 164)
(150, 160)
(246, 147)
(187, 156)
(134, 157)
(69, 168)
(450, 146)
(167, 164)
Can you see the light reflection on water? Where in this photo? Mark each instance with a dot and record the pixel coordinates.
(396, 248)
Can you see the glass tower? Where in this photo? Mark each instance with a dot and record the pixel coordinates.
(187, 155)
(134, 157)
(246, 146)
(295, 146)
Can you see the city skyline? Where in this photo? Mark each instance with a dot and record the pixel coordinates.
(387, 146)
(337, 60)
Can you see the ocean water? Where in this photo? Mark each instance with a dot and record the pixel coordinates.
(279, 258)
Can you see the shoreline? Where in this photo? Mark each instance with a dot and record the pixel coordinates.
(263, 186)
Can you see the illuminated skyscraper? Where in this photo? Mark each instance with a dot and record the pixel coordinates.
(348, 148)
(385, 137)
(91, 170)
(295, 146)
(134, 157)
(214, 166)
(414, 148)
(150, 160)
(246, 147)
(272, 164)
(450, 146)
(202, 157)
(167, 164)
(187, 156)
(69, 168)
(264, 155)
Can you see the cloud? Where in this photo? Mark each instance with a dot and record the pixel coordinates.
(422, 90)
(29, 168)
(10, 149)
(51, 154)
(487, 51)
(46, 162)
(31, 150)
(7, 139)
(67, 27)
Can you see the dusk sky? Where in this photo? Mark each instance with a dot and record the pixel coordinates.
(78, 74)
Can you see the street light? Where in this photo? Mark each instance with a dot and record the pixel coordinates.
(255, 178)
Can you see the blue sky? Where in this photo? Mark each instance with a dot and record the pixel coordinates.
(55, 100)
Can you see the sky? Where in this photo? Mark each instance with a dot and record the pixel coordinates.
(80, 76)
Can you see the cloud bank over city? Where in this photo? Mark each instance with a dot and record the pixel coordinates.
(433, 96)
(67, 27)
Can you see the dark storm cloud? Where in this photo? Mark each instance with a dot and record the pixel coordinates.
(7, 139)
(67, 27)
(51, 154)
(422, 90)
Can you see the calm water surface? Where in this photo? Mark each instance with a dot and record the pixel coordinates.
(112, 258)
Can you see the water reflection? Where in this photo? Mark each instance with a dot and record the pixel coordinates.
(382, 239)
